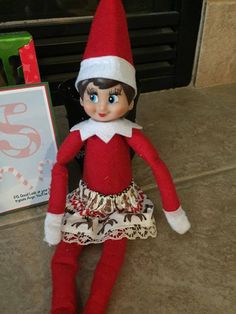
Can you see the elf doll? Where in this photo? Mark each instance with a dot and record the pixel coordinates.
(107, 207)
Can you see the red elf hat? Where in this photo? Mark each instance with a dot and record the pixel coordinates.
(108, 51)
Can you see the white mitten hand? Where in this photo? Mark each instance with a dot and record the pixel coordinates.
(52, 228)
(178, 220)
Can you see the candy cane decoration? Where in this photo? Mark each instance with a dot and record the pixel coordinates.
(17, 174)
(41, 167)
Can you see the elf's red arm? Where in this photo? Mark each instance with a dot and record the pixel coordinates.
(68, 150)
(143, 147)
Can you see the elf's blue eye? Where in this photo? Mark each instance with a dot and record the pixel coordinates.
(113, 99)
(93, 98)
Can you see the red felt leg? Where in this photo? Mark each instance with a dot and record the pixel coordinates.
(105, 276)
(64, 270)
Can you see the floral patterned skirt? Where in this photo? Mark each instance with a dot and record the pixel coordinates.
(91, 217)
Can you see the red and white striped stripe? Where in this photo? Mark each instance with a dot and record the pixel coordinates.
(17, 175)
(41, 167)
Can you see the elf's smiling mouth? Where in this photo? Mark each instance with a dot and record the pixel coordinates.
(102, 115)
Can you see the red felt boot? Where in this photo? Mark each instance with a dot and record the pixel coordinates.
(105, 276)
(64, 270)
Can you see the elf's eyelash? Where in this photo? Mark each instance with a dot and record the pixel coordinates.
(115, 91)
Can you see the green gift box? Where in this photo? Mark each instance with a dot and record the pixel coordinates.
(19, 44)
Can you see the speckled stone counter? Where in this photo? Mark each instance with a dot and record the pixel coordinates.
(194, 131)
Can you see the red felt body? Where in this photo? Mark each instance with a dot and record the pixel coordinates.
(107, 168)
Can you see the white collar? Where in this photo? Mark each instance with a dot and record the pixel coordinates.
(105, 130)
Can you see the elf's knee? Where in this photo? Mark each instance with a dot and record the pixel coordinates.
(64, 260)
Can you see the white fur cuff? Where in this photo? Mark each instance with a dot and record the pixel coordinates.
(52, 228)
(178, 220)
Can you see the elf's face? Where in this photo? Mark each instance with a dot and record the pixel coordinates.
(105, 104)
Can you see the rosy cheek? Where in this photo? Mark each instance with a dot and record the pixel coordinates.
(121, 111)
(89, 109)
